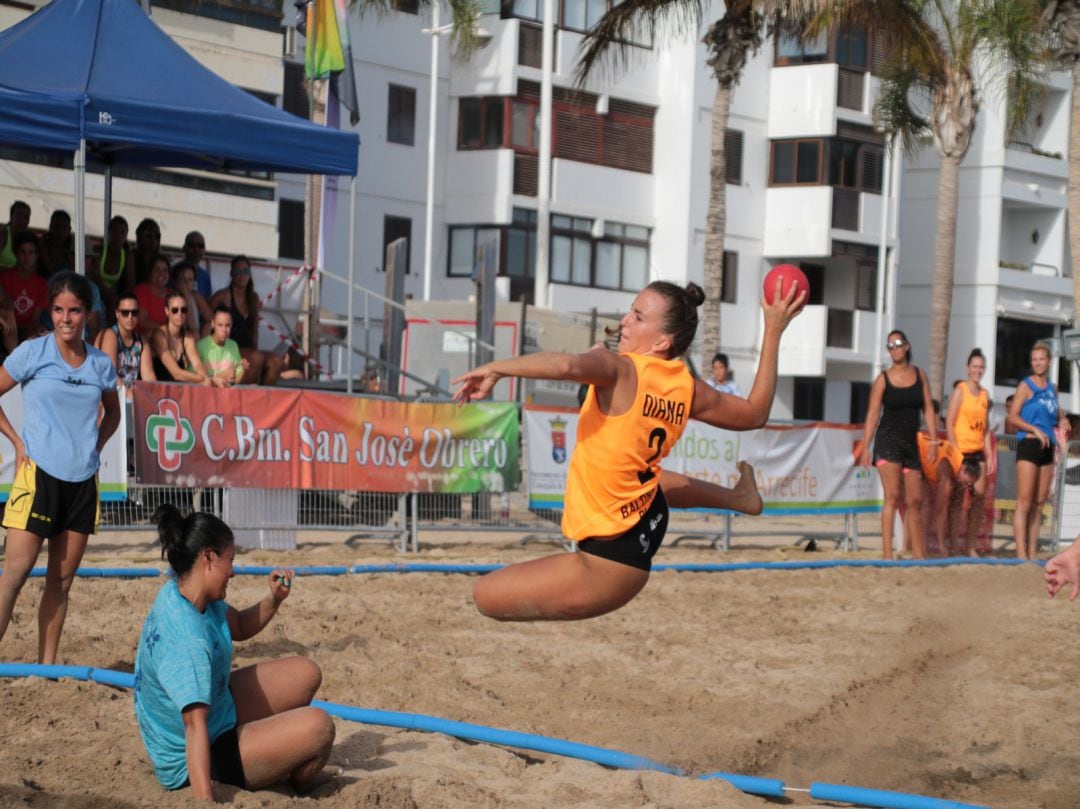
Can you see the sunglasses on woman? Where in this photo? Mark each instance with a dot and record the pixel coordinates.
(128, 312)
(896, 344)
(178, 310)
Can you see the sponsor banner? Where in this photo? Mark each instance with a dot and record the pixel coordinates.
(805, 469)
(112, 473)
(190, 435)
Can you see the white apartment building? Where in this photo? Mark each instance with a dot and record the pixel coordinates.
(629, 182)
(629, 186)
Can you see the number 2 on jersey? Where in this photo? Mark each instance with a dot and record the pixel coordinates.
(658, 436)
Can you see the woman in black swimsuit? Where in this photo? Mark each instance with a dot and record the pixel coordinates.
(897, 396)
(175, 356)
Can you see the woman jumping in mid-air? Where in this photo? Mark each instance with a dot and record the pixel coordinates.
(617, 497)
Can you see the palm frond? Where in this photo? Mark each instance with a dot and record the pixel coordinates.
(607, 48)
(1011, 55)
(465, 19)
(894, 113)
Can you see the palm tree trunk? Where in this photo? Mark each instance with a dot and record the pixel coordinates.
(1074, 192)
(715, 226)
(944, 259)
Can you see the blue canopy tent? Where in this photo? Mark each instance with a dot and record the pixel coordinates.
(98, 79)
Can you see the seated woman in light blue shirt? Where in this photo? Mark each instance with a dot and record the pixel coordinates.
(200, 721)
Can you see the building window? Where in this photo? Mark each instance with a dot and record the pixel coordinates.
(291, 228)
(466, 243)
(480, 123)
(730, 283)
(574, 15)
(571, 250)
(860, 402)
(397, 227)
(809, 399)
(622, 257)
(294, 97)
(793, 49)
(851, 50)
(733, 149)
(865, 286)
(1013, 356)
(401, 115)
(795, 162)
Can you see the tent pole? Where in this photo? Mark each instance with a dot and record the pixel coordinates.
(108, 201)
(352, 286)
(80, 208)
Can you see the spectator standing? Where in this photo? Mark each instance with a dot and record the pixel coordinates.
(195, 255)
(115, 268)
(152, 294)
(124, 345)
(949, 467)
(18, 222)
(219, 353)
(201, 721)
(967, 424)
(183, 281)
(721, 376)
(1034, 413)
(64, 383)
(27, 290)
(896, 397)
(264, 367)
(147, 246)
(57, 246)
(175, 354)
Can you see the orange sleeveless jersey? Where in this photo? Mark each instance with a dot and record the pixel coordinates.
(971, 421)
(615, 468)
(945, 451)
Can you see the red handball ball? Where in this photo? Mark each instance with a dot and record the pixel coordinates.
(790, 275)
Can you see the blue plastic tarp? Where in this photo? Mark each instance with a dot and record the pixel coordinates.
(104, 70)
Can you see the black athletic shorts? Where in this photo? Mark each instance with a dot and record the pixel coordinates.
(978, 456)
(47, 506)
(637, 546)
(1032, 450)
(226, 766)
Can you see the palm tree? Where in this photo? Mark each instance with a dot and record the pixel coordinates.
(946, 56)
(1063, 20)
(730, 40)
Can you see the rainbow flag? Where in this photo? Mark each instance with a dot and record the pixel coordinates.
(328, 51)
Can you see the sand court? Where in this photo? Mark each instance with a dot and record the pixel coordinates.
(953, 682)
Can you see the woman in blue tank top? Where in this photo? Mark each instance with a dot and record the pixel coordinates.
(1038, 421)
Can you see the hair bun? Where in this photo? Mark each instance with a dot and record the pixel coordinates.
(695, 294)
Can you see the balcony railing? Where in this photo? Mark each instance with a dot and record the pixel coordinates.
(845, 209)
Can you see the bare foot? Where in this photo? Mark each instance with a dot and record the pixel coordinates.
(746, 492)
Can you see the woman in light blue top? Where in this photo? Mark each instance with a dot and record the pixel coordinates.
(1039, 422)
(64, 382)
(200, 721)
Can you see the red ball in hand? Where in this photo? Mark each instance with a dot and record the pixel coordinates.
(790, 274)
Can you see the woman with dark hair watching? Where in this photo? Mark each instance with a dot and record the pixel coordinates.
(64, 383)
(152, 296)
(114, 270)
(967, 423)
(617, 496)
(264, 367)
(174, 349)
(124, 345)
(201, 722)
(896, 397)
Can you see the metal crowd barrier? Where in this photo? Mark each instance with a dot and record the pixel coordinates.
(273, 518)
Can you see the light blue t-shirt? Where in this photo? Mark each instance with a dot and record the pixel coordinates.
(184, 658)
(61, 406)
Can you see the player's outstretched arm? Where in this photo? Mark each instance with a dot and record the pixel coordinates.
(595, 367)
(1064, 569)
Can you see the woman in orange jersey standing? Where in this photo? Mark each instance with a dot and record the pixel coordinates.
(617, 497)
(968, 426)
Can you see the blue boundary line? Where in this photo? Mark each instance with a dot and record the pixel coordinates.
(769, 787)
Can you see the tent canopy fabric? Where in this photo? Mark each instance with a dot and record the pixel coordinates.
(104, 71)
